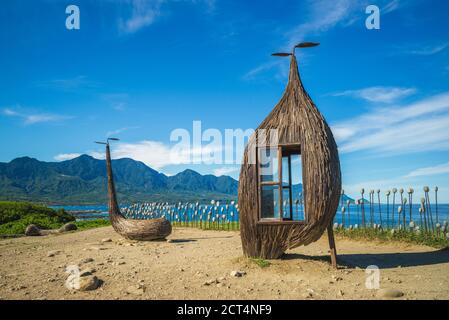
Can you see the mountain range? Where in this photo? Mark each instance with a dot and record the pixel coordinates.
(83, 180)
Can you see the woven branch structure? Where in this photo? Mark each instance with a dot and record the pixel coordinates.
(297, 121)
(146, 230)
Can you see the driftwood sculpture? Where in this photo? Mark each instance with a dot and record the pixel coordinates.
(146, 230)
(299, 125)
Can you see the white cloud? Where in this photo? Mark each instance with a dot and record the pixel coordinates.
(342, 133)
(427, 171)
(390, 7)
(158, 155)
(66, 156)
(144, 12)
(118, 101)
(410, 180)
(253, 73)
(37, 118)
(69, 84)
(379, 94)
(418, 127)
(118, 131)
(9, 112)
(154, 154)
(280, 67)
(225, 170)
(428, 50)
(323, 15)
(97, 155)
(33, 118)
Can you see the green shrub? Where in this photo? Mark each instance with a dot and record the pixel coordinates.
(16, 216)
(424, 238)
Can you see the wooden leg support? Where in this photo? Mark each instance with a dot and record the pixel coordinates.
(333, 249)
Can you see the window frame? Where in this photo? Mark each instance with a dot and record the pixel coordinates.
(282, 151)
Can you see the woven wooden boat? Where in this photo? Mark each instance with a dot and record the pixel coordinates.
(145, 230)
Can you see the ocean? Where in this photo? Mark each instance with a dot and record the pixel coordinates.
(383, 214)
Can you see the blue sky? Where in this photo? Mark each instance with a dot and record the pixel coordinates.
(140, 69)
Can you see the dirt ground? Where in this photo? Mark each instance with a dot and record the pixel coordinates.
(197, 264)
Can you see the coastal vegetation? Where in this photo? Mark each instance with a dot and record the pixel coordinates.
(16, 216)
(93, 223)
(435, 240)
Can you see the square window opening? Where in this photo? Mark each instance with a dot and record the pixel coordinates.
(281, 194)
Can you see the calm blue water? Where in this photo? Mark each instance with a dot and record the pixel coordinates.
(102, 211)
(385, 215)
(389, 215)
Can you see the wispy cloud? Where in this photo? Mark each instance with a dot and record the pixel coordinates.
(417, 127)
(427, 50)
(33, 118)
(121, 130)
(322, 16)
(411, 180)
(117, 101)
(391, 6)
(66, 156)
(144, 13)
(225, 171)
(69, 84)
(379, 94)
(280, 65)
(427, 171)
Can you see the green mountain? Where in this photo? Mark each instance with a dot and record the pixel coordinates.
(83, 181)
(345, 198)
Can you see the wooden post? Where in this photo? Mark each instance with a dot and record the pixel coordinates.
(333, 249)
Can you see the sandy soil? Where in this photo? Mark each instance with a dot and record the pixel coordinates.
(197, 265)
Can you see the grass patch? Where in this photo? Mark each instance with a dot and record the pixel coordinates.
(91, 224)
(261, 262)
(434, 240)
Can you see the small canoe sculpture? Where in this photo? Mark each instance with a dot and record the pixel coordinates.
(302, 130)
(144, 230)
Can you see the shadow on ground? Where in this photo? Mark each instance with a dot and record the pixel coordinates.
(382, 260)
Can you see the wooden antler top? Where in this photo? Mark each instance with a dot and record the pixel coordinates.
(299, 45)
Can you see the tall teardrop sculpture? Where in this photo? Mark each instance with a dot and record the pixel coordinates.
(146, 230)
(297, 121)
